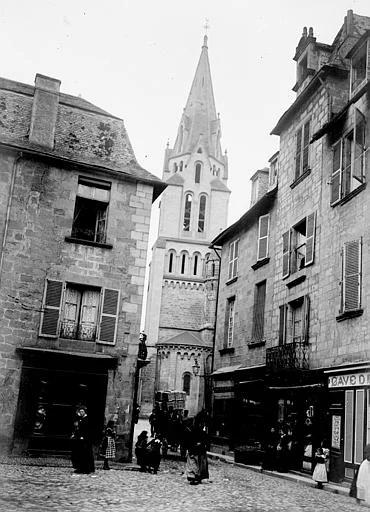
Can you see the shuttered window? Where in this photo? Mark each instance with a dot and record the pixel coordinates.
(286, 253)
(348, 167)
(49, 324)
(302, 149)
(108, 318)
(299, 245)
(310, 238)
(294, 321)
(259, 312)
(351, 275)
(263, 237)
(229, 331)
(233, 259)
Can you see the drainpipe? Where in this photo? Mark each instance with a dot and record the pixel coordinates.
(8, 208)
(216, 305)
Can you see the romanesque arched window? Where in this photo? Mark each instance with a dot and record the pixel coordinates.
(202, 213)
(181, 165)
(186, 382)
(171, 262)
(196, 263)
(175, 167)
(187, 212)
(184, 257)
(198, 168)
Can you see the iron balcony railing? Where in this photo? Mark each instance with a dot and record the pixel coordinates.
(290, 356)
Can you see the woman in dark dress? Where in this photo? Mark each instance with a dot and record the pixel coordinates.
(82, 452)
(197, 462)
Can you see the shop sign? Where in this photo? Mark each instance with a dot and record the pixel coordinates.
(335, 431)
(349, 380)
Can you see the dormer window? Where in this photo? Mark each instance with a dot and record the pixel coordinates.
(359, 66)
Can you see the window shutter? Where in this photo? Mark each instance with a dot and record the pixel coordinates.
(282, 324)
(108, 316)
(306, 145)
(351, 284)
(306, 319)
(359, 156)
(231, 260)
(336, 177)
(259, 311)
(263, 234)
(236, 257)
(286, 253)
(49, 324)
(298, 153)
(310, 238)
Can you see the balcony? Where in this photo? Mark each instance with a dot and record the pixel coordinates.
(290, 356)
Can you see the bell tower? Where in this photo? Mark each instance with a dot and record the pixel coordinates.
(193, 210)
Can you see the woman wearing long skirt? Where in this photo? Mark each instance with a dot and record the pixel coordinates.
(82, 452)
(196, 461)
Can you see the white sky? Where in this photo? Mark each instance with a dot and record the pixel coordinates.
(137, 59)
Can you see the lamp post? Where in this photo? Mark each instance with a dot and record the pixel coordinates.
(140, 363)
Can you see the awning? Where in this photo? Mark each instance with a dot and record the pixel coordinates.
(225, 369)
(106, 359)
(302, 386)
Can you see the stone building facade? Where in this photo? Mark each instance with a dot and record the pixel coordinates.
(183, 272)
(74, 219)
(314, 370)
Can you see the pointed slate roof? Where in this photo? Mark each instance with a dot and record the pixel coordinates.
(199, 122)
(175, 179)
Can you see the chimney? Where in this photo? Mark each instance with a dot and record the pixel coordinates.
(44, 111)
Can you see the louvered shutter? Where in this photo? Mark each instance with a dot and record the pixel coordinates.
(351, 282)
(263, 234)
(108, 316)
(282, 324)
(286, 253)
(336, 177)
(306, 145)
(298, 153)
(49, 324)
(306, 319)
(310, 238)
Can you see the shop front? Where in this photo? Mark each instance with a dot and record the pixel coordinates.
(250, 428)
(349, 409)
(223, 410)
(53, 384)
(296, 403)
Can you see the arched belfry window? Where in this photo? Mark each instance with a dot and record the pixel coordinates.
(183, 261)
(196, 261)
(187, 212)
(186, 382)
(202, 213)
(171, 262)
(181, 165)
(198, 168)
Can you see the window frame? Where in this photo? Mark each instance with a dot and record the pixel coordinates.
(302, 149)
(186, 374)
(290, 246)
(230, 322)
(202, 212)
(365, 47)
(186, 225)
(342, 172)
(87, 190)
(286, 317)
(260, 237)
(233, 259)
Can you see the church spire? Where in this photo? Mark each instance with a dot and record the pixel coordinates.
(200, 124)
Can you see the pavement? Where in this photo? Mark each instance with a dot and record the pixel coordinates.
(233, 487)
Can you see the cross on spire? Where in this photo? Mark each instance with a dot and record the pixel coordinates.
(206, 25)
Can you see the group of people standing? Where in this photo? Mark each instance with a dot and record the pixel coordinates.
(193, 441)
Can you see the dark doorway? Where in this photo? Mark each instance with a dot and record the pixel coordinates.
(48, 398)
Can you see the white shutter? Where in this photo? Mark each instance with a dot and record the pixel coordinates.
(336, 176)
(286, 253)
(108, 316)
(310, 238)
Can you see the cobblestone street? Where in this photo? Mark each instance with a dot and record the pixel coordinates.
(232, 489)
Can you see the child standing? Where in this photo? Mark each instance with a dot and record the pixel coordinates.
(108, 446)
(320, 472)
